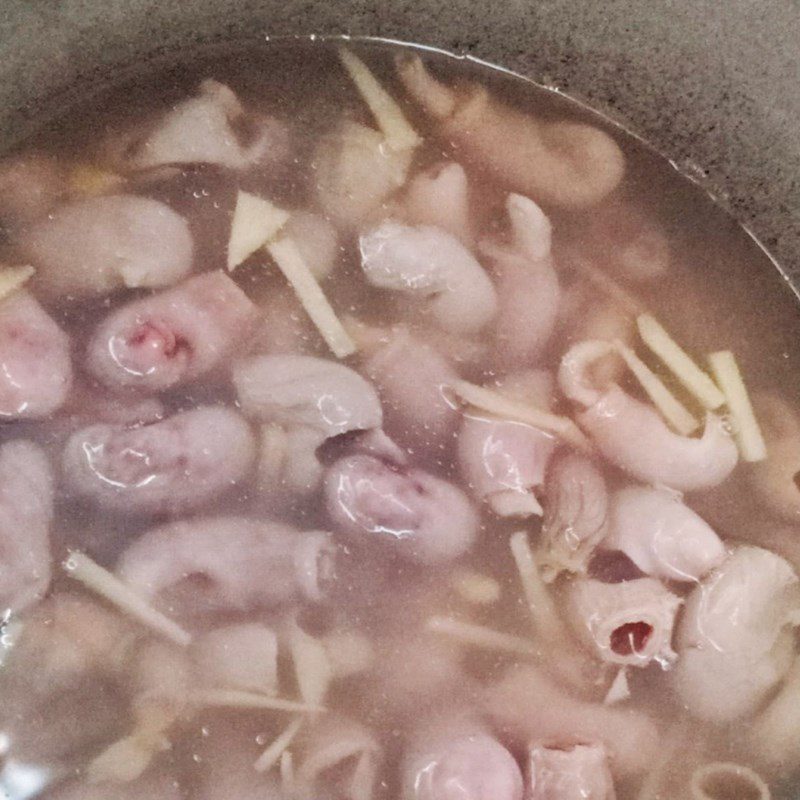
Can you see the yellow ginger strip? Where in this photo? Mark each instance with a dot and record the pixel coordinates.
(746, 429)
(82, 569)
(13, 278)
(540, 604)
(673, 411)
(255, 222)
(234, 698)
(274, 753)
(90, 181)
(288, 258)
(311, 665)
(476, 587)
(680, 363)
(395, 127)
(287, 773)
(622, 297)
(480, 636)
(495, 403)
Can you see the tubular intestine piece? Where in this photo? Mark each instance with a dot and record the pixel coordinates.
(500, 457)
(239, 564)
(424, 517)
(721, 780)
(559, 163)
(530, 707)
(625, 623)
(459, 755)
(735, 638)
(200, 130)
(26, 513)
(440, 197)
(575, 500)
(174, 337)
(774, 735)
(429, 263)
(662, 535)
(95, 245)
(578, 772)
(177, 464)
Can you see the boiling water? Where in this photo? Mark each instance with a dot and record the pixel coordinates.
(418, 638)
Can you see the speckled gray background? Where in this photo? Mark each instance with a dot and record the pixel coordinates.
(714, 84)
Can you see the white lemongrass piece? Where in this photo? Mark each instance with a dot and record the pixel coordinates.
(475, 587)
(680, 363)
(364, 775)
(673, 411)
(622, 297)
(82, 569)
(388, 115)
(234, 698)
(349, 652)
(619, 690)
(746, 429)
(13, 278)
(543, 611)
(286, 255)
(515, 504)
(480, 636)
(496, 403)
(312, 666)
(724, 780)
(256, 221)
(287, 773)
(273, 754)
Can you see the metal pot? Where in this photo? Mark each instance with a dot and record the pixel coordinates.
(714, 86)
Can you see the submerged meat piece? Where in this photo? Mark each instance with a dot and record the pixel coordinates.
(35, 366)
(440, 197)
(633, 435)
(238, 656)
(30, 185)
(181, 463)
(458, 759)
(528, 290)
(735, 640)
(339, 757)
(309, 400)
(561, 163)
(172, 337)
(426, 518)
(210, 129)
(356, 172)
(575, 500)
(153, 786)
(625, 623)
(662, 535)
(227, 755)
(214, 564)
(431, 264)
(529, 706)
(26, 511)
(503, 462)
(99, 244)
(776, 479)
(411, 377)
(578, 772)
